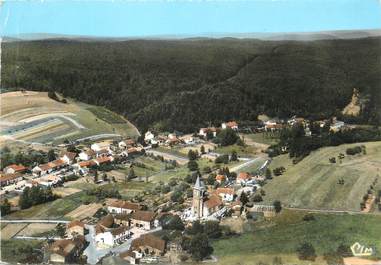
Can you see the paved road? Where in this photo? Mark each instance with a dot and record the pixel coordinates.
(38, 221)
(94, 254)
(248, 163)
(181, 160)
(35, 238)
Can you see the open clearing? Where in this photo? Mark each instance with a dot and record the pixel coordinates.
(35, 229)
(282, 235)
(34, 117)
(84, 211)
(63, 192)
(313, 182)
(10, 230)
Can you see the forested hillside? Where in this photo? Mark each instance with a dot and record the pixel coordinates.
(183, 84)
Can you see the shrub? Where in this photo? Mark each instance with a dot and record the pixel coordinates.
(354, 150)
(306, 252)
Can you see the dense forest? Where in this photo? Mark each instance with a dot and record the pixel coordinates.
(185, 84)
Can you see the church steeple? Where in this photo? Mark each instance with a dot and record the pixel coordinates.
(198, 198)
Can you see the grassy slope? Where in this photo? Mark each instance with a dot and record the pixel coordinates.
(96, 119)
(313, 181)
(281, 237)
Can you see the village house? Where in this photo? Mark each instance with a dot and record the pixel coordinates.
(210, 130)
(110, 237)
(220, 178)
(101, 146)
(123, 219)
(68, 157)
(231, 124)
(87, 155)
(75, 228)
(149, 244)
(67, 250)
(49, 167)
(132, 256)
(226, 194)
(295, 120)
(243, 178)
(336, 125)
(104, 160)
(126, 144)
(103, 153)
(10, 178)
(82, 167)
(11, 169)
(273, 125)
(203, 205)
(148, 137)
(48, 181)
(144, 219)
(123, 207)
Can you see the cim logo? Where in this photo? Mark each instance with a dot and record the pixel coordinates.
(360, 251)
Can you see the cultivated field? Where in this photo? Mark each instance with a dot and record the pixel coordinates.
(36, 229)
(10, 230)
(33, 117)
(313, 182)
(84, 211)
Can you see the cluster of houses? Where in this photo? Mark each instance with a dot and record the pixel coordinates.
(209, 203)
(17, 176)
(211, 132)
(124, 221)
(271, 125)
(172, 139)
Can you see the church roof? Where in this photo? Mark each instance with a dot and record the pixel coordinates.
(199, 184)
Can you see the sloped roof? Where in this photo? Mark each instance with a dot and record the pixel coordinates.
(75, 223)
(7, 177)
(225, 191)
(145, 216)
(16, 168)
(149, 240)
(244, 176)
(70, 155)
(119, 230)
(213, 201)
(199, 184)
(107, 221)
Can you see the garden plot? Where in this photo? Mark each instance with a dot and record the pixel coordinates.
(10, 230)
(36, 229)
(84, 211)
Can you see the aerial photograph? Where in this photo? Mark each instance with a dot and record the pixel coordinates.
(188, 132)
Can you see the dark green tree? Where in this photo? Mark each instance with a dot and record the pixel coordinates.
(199, 247)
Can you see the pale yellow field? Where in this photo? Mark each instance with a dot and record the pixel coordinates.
(33, 229)
(63, 192)
(84, 211)
(10, 230)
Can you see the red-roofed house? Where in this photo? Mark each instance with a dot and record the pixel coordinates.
(231, 124)
(68, 157)
(226, 194)
(243, 177)
(11, 169)
(119, 207)
(75, 228)
(8, 179)
(220, 178)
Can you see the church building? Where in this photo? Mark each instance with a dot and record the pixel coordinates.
(204, 205)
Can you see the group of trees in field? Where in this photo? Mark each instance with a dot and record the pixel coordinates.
(36, 195)
(299, 145)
